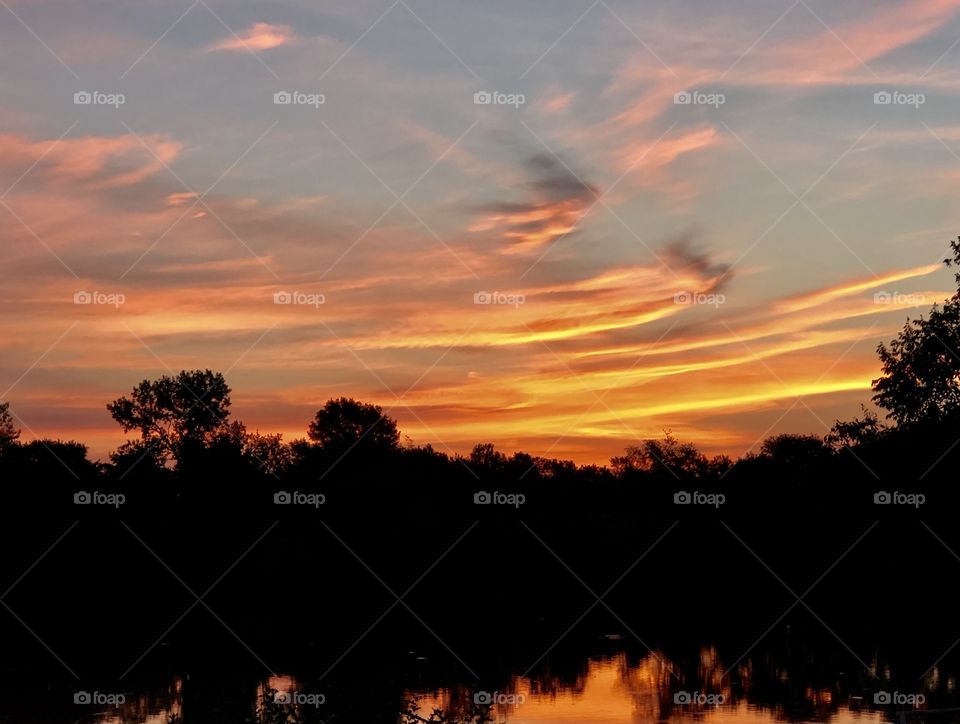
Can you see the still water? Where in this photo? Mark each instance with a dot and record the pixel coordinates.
(609, 689)
(612, 692)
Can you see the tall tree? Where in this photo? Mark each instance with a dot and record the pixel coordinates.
(175, 415)
(9, 433)
(921, 367)
(344, 423)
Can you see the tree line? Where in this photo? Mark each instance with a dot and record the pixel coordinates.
(181, 428)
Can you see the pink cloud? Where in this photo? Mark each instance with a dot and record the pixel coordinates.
(95, 161)
(262, 36)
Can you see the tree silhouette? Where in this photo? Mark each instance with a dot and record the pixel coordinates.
(794, 450)
(668, 459)
(921, 367)
(856, 432)
(174, 415)
(9, 433)
(485, 455)
(345, 423)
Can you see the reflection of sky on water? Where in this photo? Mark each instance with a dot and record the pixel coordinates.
(614, 692)
(148, 708)
(609, 690)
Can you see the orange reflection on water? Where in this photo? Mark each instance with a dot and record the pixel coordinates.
(614, 692)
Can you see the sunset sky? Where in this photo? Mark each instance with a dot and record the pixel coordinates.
(781, 202)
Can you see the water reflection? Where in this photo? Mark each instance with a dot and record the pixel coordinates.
(615, 687)
(157, 707)
(612, 691)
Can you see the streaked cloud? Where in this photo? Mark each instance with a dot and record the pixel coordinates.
(600, 350)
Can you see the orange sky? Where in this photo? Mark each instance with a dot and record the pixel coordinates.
(584, 268)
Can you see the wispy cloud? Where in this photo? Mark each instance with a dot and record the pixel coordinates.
(554, 200)
(261, 36)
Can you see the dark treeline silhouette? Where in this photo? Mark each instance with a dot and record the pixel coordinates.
(185, 440)
(201, 547)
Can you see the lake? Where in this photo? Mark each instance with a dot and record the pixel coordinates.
(614, 688)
